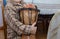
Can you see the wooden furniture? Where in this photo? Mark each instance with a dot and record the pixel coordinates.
(2, 34)
(2, 28)
(43, 22)
(42, 25)
(4, 24)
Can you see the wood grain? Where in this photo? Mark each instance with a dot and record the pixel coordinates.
(28, 37)
(4, 23)
(2, 34)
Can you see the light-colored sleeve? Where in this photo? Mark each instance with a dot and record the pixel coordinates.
(14, 23)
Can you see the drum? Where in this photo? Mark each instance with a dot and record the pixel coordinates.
(28, 15)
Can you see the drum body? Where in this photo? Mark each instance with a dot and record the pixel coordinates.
(28, 15)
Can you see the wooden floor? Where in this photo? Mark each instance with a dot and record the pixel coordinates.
(1, 34)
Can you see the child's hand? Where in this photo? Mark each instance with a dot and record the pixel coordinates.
(34, 24)
(33, 30)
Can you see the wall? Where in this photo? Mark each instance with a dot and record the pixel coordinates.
(1, 20)
(46, 6)
(44, 1)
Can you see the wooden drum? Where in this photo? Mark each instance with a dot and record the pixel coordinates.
(28, 15)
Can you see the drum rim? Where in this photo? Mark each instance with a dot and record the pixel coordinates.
(28, 9)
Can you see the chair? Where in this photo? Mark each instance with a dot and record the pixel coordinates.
(4, 24)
